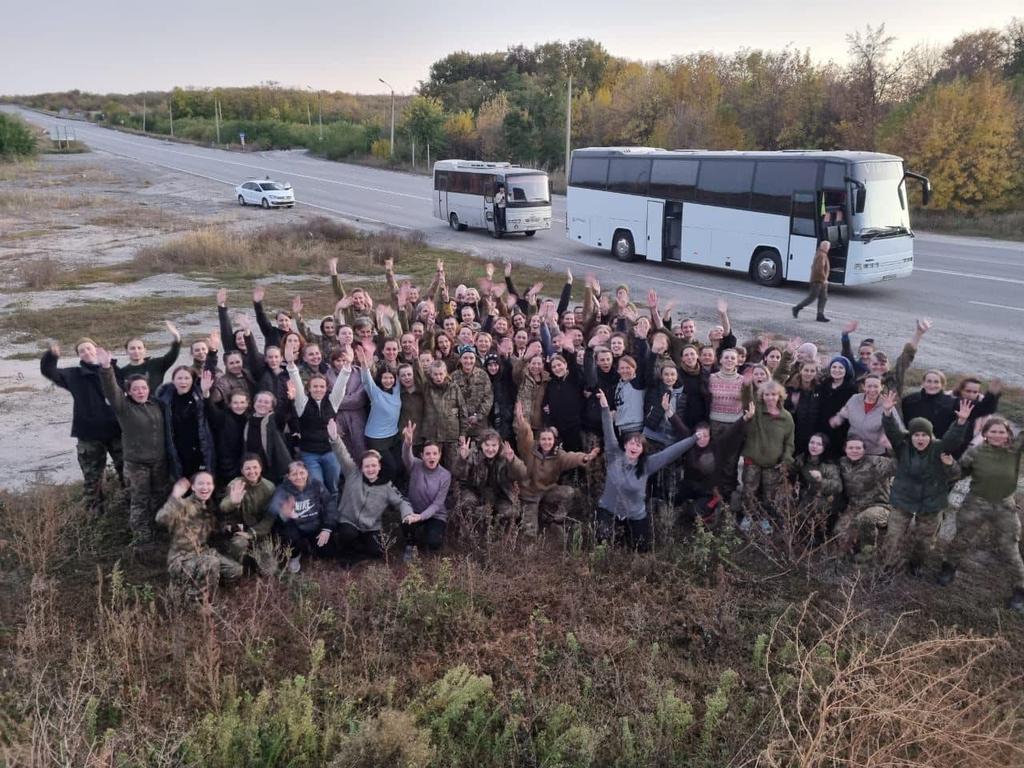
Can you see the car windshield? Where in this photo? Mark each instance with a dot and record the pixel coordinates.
(271, 186)
(528, 189)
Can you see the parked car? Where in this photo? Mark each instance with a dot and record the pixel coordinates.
(265, 193)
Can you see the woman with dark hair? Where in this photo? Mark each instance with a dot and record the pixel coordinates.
(622, 509)
(429, 483)
(803, 401)
(820, 484)
(189, 439)
(837, 388)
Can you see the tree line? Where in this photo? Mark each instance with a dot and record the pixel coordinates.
(954, 112)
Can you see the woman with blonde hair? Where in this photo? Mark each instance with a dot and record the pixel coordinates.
(767, 452)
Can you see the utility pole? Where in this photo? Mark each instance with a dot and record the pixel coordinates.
(320, 102)
(143, 114)
(216, 118)
(170, 111)
(309, 116)
(568, 128)
(391, 146)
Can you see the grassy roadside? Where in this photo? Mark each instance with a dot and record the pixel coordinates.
(1001, 226)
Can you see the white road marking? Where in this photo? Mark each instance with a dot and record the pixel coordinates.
(974, 275)
(997, 306)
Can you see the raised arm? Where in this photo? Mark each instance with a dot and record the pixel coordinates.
(611, 442)
(664, 458)
(48, 366)
(566, 295)
(340, 451)
(108, 381)
(170, 357)
(301, 398)
(226, 331)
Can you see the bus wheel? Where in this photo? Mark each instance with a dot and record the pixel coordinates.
(766, 268)
(530, 232)
(453, 222)
(622, 246)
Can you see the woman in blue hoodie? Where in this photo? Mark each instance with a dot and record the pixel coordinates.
(385, 408)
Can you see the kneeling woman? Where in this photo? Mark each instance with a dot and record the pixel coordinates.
(306, 513)
(193, 565)
(429, 483)
(622, 505)
(365, 499)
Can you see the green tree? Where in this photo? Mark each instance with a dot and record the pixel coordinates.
(424, 122)
(16, 138)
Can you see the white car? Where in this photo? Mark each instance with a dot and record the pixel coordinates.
(265, 193)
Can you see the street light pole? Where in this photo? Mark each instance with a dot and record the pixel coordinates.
(391, 146)
(320, 102)
(568, 128)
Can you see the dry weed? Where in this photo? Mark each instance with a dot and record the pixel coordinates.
(854, 698)
(39, 274)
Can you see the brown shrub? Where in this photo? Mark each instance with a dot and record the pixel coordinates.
(849, 697)
(39, 274)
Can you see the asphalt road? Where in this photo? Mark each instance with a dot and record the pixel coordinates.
(972, 288)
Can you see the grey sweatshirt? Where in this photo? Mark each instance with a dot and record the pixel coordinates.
(428, 488)
(624, 492)
(363, 504)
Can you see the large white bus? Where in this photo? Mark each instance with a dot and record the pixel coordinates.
(468, 193)
(756, 212)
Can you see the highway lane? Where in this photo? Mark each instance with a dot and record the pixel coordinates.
(973, 288)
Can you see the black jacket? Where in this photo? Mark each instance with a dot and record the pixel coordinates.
(92, 418)
(939, 409)
(153, 368)
(806, 414)
(204, 436)
(229, 439)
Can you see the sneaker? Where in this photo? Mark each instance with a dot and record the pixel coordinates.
(947, 574)
(766, 527)
(795, 311)
(745, 525)
(409, 554)
(822, 319)
(294, 564)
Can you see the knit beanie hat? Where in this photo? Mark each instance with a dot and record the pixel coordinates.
(84, 340)
(841, 359)
(807, 351)
(920, 424)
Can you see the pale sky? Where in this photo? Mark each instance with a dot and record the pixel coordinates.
(133, 45)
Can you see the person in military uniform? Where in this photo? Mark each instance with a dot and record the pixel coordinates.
(921, 482)
(247, 517)
(487, 477)
(866, 481)
(993, 466)
(194, 566)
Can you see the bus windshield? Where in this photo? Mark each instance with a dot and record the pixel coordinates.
(528, 189)
(885, 211)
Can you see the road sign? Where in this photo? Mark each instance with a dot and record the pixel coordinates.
(241, 137)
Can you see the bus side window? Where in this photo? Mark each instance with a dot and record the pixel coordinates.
(805, 214)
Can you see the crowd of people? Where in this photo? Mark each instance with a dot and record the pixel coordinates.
(505, 410)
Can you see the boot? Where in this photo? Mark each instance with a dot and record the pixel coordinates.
(822, 319)
(1016, 602)
(913, 569)
(796, 312)
(947, 574)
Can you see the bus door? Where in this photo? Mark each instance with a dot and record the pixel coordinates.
(655, 229)
(803, 236)
(441, 192)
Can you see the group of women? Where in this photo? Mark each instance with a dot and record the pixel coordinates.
(509, 409)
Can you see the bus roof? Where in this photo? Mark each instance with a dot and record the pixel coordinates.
(813, 154)
(481, 166)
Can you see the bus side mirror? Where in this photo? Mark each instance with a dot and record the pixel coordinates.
(859, 199)
(926, 192)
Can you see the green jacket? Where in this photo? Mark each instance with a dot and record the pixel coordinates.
(866, 482)
(190, 522)
(831, 484)
(142, 424)
(920, 485)
(993, 471)
(254, 511)
(477, 398)
(770, 439)
(443, 407)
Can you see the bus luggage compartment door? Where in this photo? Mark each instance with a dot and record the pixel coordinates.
(655, 229)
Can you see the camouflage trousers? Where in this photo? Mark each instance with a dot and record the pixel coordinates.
(859, 527)
(92, 458)
(1002, 519)
(477, 512)
(761, 486)
(198, 573)
(909, 537)
(549, 508)
(245, 546)
(147, 488)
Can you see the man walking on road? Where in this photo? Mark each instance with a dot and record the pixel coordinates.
(820, 269)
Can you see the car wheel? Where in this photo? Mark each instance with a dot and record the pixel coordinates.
(241, 201)
(265, 203)
(622, 246)
(530, 232)
(453, 221)
(766, 268)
